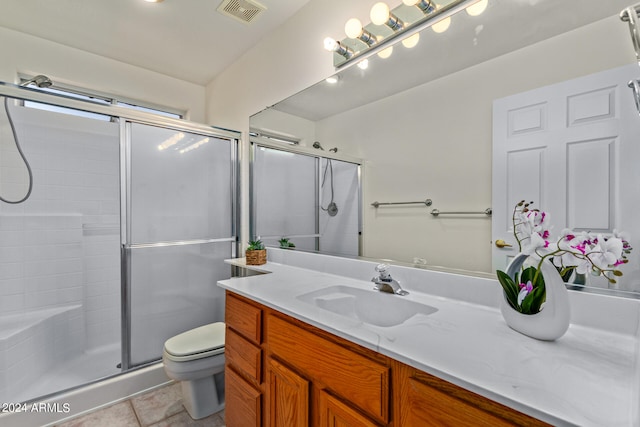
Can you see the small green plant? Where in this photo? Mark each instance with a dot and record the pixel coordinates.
(285, 243)
(255, 245)
(526, 293)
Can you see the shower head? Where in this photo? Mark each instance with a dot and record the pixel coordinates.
(39, 80)
(318, 146)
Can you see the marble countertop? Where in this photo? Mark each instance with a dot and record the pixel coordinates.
(589, 377)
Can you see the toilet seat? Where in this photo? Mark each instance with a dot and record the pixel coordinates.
(198, 343)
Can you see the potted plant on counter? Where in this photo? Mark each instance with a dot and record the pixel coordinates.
(285, 243)
(256, 254)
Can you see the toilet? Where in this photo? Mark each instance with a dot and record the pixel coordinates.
(196, 359)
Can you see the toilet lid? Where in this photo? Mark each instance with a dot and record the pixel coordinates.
(199, 340)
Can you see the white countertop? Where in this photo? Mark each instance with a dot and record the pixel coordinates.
(589, 377)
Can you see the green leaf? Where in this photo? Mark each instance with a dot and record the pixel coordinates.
(510, 288)
(538, 296)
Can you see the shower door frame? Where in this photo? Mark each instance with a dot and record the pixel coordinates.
(126, 247)
(124, 116)
(257, 141)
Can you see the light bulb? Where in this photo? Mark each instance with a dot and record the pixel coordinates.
(353, 28)
(332, 80)
(384, 54)
(364, 64)
(412, 41)
(442, 25)
(477, 8)
(330, 44)
(410, 2)
(379, 13)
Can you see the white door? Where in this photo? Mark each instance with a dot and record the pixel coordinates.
(574, 149)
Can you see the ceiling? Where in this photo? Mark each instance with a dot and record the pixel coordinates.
(186, 39)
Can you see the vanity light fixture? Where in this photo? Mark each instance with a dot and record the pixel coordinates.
(442, 25)
(478, 8)
(403, 23)
(411, 41)
(385, 53)
(335, 46)
(364, 64)
(381, 15)
(354, 30)
(426, 6)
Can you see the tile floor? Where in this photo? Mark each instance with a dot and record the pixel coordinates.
(157, 408)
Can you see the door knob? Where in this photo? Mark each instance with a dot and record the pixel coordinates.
(502, 244)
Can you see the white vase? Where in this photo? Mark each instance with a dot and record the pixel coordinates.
(552, 321)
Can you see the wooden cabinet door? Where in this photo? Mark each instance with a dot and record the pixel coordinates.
(243, 406)
(288, 395)
(424, 400)
(335, 413)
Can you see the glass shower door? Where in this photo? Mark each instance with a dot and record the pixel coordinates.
(285, 197)
(180, 229)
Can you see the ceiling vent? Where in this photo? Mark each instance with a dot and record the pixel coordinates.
(241, 10)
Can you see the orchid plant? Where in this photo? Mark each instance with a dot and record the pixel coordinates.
(581, 252)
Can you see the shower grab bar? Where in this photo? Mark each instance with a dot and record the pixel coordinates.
(289, 236)
(178, 243)
(427, 202)
(487, 212)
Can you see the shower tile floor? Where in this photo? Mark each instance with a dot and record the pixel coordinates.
(157, 408)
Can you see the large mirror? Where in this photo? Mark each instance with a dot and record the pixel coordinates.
(422, 121)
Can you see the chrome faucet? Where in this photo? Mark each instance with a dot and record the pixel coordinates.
(385, 283)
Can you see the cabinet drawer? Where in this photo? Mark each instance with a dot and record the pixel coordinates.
(243, 402)
(346, 373)
(243, 355)
(244, 318)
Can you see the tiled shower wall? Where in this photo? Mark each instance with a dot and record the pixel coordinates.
(61, 246)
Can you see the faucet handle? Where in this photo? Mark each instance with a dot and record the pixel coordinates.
(383, 271)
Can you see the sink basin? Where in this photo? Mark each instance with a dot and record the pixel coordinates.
(368, 306)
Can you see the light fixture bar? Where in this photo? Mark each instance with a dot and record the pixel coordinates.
(394, 23)
(335, 46)
(426, 6)
(367, 37)
(408, 30)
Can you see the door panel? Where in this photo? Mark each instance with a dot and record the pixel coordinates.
(572, 148)
(180, 186)
(180, 215)
(173, 289)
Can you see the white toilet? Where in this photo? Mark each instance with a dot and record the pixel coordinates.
(196, 358)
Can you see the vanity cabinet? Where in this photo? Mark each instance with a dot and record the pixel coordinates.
(283, 372)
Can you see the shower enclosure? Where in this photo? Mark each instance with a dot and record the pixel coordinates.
(118, 247)
(311, 199)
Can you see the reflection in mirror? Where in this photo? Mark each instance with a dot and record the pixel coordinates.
(423, 123)
(310, 199)
(15, 171)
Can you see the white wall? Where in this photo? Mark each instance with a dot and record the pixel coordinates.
(440, 148)
(22, 53)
